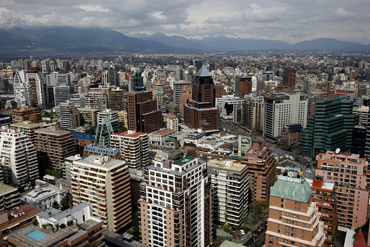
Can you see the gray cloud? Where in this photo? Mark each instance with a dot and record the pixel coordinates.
(287, 20)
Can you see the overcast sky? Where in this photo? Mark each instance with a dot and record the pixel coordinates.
(288, 20)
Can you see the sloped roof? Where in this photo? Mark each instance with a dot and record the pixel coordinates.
(203, 72)
(292, 190)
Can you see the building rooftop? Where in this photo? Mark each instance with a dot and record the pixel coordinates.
(82, 135)
(39, 193)
(130, 133)
(325, 185)
(100, 161)
(48, 131)
(226, 164)
(288, 188)
(227, 243)
(203, 72)
(4, 188)
(26, 125)
(22, 212)
(184, 160)
(164, 132)
(101, 150)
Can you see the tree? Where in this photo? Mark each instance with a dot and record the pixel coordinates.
(123, 128)
(192, 153)
(55, 205)
(67, 201)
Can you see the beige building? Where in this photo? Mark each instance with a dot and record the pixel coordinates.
(89, 115)
(253, 113)
(294, 219)
(186, 93)
(105, 183)
(9, 197)
(362, 112)
(230, 187)
(122, 118)
(28, 128)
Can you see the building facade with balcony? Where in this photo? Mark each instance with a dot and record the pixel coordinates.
(323, 193)
(175, 205)
(349, 173)
(134, 147)
(9, 197)
(26, 113)
(294, 218)
(262, 170)
(105, 183)
(230, 191)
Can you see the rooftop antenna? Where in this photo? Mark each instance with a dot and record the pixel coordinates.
(337, 151)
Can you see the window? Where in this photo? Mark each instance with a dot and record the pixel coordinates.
(286, 241)
(302, 237)
(299, 209)
(303, 230)
(304, 225)
(295, 209)
(287, 228)
(271, 237)
(299, 204)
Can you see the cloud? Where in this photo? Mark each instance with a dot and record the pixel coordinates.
(92, 8)
(343, 13)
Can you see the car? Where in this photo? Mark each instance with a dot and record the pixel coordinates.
(242, 232)
(257, 233)
(237, 241)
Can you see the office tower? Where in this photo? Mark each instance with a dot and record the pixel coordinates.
(175, 205)
(289, 77)
(53, 145)
(349, 172)
(200, 111)
(177, 89)
(230, 191)
(116, 99)
(294, 219)
(142, 112)
(262, 170)
(108, 124)
(186, 93)
(136, 82)
(134, 147)
(323, 195)
(363, 112)
(57, 79)
(61, 94)
(330, 127)
(281, 111)
(69, 116)
(96, 100)
(111, 180)
(89, 116)
(225, 105)
(22, 90)
(242, 85)
(39, 87)
(18, 157)
(359, 140)
(171, 122)
(72, 227)
(219, 90)
(238, 116)
(203, 87)
(254, 113)
(109, 77)
(26, 113)
(267, 76)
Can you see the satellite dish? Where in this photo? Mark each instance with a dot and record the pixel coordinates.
(337, 151)
(290, 174)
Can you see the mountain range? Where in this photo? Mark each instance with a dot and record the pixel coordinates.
(15, 34)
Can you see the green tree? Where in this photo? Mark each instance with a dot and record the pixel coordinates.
(192, 153)
(55, 205)
(67, 201)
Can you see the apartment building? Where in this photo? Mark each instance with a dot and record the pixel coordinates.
(69, 116)
(26, 113)
(89, 116)
(294, 219)
(67, 165)
(175, 205)
(262, 170)
(61, 94)
(18, 156)
(134, 147)
(116, 99)
(53, 145)
(363, 112)
(28, 128)
(291, 135)
(108, 124)
(9, 197)
(44, 196)
(96, 100)
(171, 122)
(253, 111)
(177, 90)
(105, 183)
(72, 227)
(349, 173)
(230, 191)
(323, 193)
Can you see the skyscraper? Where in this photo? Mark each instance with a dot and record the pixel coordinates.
(108, 124)
(136, 82)
(69, 116)
(175, 204)
(289, 77)
(243, 85)
(293, 216)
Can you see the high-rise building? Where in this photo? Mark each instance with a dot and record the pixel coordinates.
(242, 85)
(61, 94)
(203, 87)
(26, 113)
(53, 145)
(177, 89)
(28, 128)
(281, 111)
(96, 100)
(142, 112)
(134, 147)
(108, 124)
(89, 116)
(289, 77)
(110, 180)
(363, 112)
(262, 170)
(359, 140)
(116, 99)
(18, 157)
(186, 93)
(230, 191)
(254, 113)
(72, 227)
(22, 90)
(198, 115)
(38, 85)
(324, 195)
(110, 76)
(69, 116)
(294, 219)
(349, 172)
(57, 79)
(330, 127)
(175, 205)
(136, 82)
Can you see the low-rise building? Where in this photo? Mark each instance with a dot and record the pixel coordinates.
(291, 135)
(43, 197)
(72, 227)
(230, 191)
(26, 113)
(9, 197)
(158, 138)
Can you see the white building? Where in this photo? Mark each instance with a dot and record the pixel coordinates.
(68, 165)
(22, 91)
(226, 104)
(44, 196)
(61, 94)
(56, 79)
(175, 204)
(18, 157)
(284, 110)
(171, 122)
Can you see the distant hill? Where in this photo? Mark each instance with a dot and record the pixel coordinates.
(76, 39)
(176, 41)
(329, 44)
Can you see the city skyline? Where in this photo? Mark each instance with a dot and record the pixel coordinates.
(285, 20)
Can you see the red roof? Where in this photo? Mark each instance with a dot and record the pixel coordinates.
(335, 95)
(29, 211)
(164, 132)
(3, 110)
(361, 239)
(126, 134)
